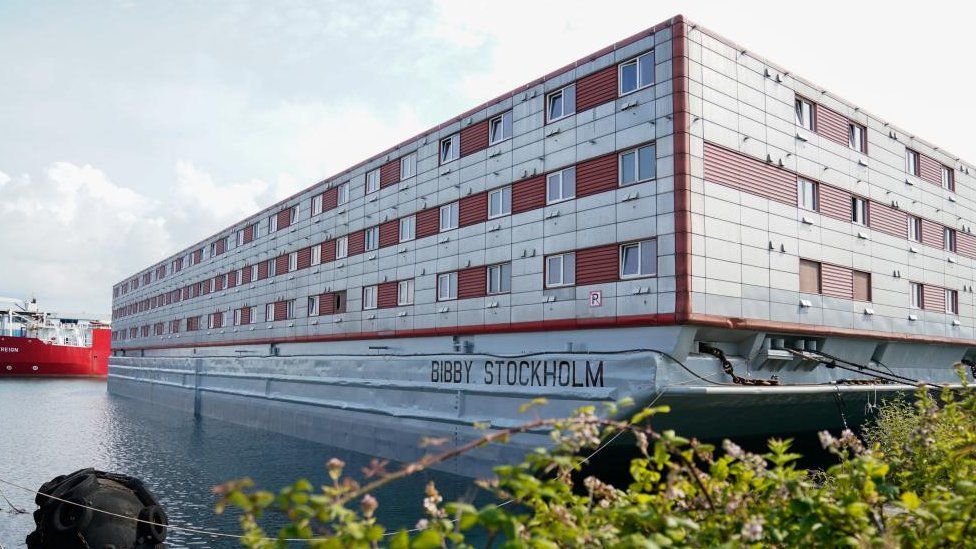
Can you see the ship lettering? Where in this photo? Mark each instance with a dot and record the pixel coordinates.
(450, 371)
(9, 349)
(534, 373)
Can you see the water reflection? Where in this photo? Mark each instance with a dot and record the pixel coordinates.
(51, 427)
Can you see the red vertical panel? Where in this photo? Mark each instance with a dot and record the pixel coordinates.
(330, 199)
(472, 282)
(232, 279)
(889, 220)
(597, 175)
(281, 264)
(390, 233)
(836, 281)
(357, 242)
(832, 125)
(390, 173)
(473, 209)
(328, 251)
(929, 169)
(262, 270)
(198, 256)
(304, 258)
(835, 202)
(284, 219)
(428, 222)
(933, 234)
(966, 244)
(281, 310)
(598, 264)
(738, 171)
(221, 246)
(474, 138)
(246, 315)
(386, 295)
(596, 89)
(528, 195)
(934, 298)
(249, 233)
(219, 282)
(246, 274)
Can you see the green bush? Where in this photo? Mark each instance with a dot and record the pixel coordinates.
(909, 482)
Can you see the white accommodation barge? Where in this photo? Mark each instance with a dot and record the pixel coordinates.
(672, 218)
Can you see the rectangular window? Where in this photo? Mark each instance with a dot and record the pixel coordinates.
(450, 148)
(237, 316)
(916, 295)
(369, 297)
(316, 204)
(500, 128)
(949, 239)
(948, 178)
(914, 228)
(408, 228)
(254, 272)
(342, 194)
(372, 181)
(313, 305)
(561, 270)
(238, 277)
(272, 267)
(290, 309)
(805, 114)
(447, 286)
(857, 137)
(272, 224)
(408, 166)
(449, 216)
(500, 202)
(638, 259)
(911, 162)
(638, 165)
(809, 277)
(293, 214)
(952, 302)
(372, 238)
(561, 103)
(342, 247)
(637, 73)
(269, 312)
(806, 192)
(862, 286)
(405, 292)
(292, 261)
(500, 278)
(561, 185)
(859, 211)
(240, 237)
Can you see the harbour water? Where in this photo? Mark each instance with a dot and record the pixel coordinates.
(52, 427)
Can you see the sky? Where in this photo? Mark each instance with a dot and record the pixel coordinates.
(130, 130)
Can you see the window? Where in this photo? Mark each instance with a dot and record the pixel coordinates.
(405, 292)
(637, 73)
(561, 103)
(408, 228)
(806, 192)
(949, 239)
(269, 312)
(272, 267)
(316, 255)
(272, 224)
(637, 165)
(293, 214)
(342, 247)
(804, 114)
(638, 259)
(240, 239)
(290, 309)
(859, 211)
(857, 137)
(254, 272)
(339, 302)
(450, 148)
(238, 316)
(372, 181)
(914, 228)
(561, 185)
(500, 202)
(916, 297)
(238, 277)
(500, 278)
(342, 194)
(372, 238)
(911, 162)
(313, 305)
(862, 286)
(449, 216)
(446, 286)
(408, 166)
(316, 204)
(809, 277)
(369, 297)
(948, 178)
(561, 270)
(292, 261)
(500, 128)
(952, 302)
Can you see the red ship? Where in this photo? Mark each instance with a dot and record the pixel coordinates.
(36, 343)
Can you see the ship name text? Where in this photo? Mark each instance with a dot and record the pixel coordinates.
(529, 373)
(9, 349)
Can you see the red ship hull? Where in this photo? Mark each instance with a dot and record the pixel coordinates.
(31, 357)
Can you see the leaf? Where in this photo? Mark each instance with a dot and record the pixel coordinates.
(401, 540)
(428, 539)
(910, 501)
(534, 402)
